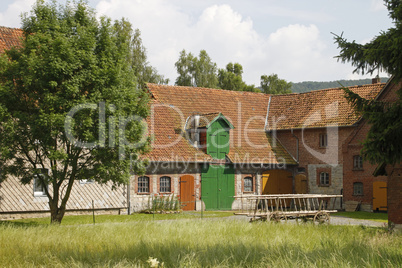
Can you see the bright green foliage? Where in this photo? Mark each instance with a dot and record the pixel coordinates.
(231, 78)
(68, 58)
(196, 72)
(273, 85)
(383, 143)
(143, 71)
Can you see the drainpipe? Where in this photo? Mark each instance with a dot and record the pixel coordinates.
(297, 144)
(266, 118)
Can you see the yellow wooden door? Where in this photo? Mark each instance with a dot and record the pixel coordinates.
(301, 184)
(380, 195)
(277, 181)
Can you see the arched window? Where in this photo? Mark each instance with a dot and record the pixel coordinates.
(248, 184)
(358, 188)
(143, 184)
(165, 184)
(324, 178)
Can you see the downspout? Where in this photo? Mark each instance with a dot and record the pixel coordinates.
(297, 144)
(266, 118)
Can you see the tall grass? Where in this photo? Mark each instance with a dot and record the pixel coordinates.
(196, 243)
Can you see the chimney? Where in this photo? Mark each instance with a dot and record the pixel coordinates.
(376, 80)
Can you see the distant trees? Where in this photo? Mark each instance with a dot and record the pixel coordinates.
(196, 72)
(231, 78)
(273, 85)
(142, 70)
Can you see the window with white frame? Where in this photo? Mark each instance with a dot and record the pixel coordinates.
(324, 179)
(39, 183)
(86, 181)
(357, 162)
(358, 188)
(248, 184)
(165, 184)
(143, 184)
(323, 140)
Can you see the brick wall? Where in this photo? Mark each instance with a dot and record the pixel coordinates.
(352, 147)
(313, 158)
(395, 195)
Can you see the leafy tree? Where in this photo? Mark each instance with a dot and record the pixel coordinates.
(273, 85)
(231, 78)
(383, 143)
(185, 67)
(142, 70)
(196, 72)
(67, 83)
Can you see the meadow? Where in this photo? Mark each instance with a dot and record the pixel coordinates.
(210, 242)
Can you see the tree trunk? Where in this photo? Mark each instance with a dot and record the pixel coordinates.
(56, 213)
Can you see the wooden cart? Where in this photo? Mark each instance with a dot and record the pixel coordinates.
(315, 207)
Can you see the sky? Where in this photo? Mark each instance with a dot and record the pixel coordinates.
(290, 38)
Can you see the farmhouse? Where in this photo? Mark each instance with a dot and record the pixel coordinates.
(209, 145)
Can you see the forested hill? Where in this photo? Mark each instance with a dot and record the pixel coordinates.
(310, 86)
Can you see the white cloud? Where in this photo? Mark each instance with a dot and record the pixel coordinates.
(11, 17)
(295, 52)
(377, 5)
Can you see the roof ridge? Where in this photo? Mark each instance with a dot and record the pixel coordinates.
(13, 28)
(328, 89)
(212, 89)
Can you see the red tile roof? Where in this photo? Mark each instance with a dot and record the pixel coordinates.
(246, 111)
(9, 37)
(317, 108)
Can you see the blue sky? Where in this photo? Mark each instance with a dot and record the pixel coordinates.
(291, 38)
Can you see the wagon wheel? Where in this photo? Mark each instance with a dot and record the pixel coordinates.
(275, 216)
(321, 217)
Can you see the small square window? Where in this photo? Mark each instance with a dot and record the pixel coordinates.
(86, 181)
(39, 186)
(357, 162)
(248, 184)
(165, 185)
(358, 188)
(143, 184)
(324, 179)
(323, 140)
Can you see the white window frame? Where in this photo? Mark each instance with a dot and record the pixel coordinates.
(246, 190)
(39, 189)
(166, 185)
(140, 187)
(324, 179)
(86, 181)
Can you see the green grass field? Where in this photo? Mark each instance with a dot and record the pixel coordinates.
(88, 219)
(196, 243)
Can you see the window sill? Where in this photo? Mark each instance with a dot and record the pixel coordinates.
(358, 195)
(248, 192)
(358, 169)
(324, 185)
(142, 193)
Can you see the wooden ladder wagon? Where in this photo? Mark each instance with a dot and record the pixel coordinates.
(276, 207)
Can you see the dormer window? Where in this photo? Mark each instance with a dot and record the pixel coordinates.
(211, 133)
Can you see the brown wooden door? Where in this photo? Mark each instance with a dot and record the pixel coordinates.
(187, 196)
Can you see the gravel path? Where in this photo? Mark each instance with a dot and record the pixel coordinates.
(335, 220)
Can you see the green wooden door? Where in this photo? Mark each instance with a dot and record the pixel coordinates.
(218, 139)
(217, 187)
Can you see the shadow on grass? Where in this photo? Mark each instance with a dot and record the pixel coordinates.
(25, 223)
